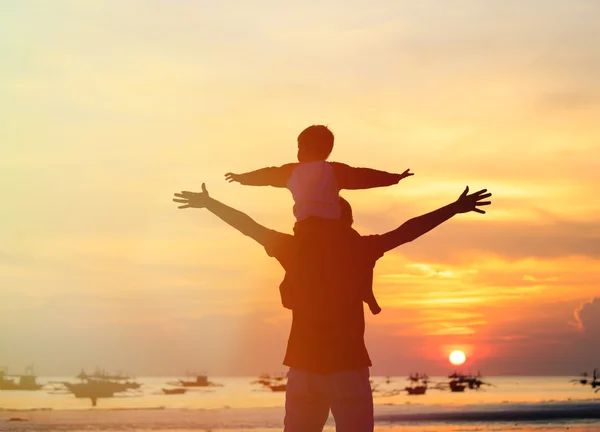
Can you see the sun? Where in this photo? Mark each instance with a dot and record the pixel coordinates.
(457, 357)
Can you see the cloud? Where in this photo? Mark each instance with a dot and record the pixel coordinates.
(588, 317)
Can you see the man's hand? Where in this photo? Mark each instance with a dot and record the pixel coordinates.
(406, 174)
(231, 177)
(467, 203)
(193, 199)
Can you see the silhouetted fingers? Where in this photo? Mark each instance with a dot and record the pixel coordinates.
(478, 210)
(479, 192)
(483, 203)
(184, 206)
(180, 200)
(465, 192)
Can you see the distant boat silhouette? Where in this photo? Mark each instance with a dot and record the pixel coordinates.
(418, 384)
(276, 383)
(99, 385)
(101, 374)
(278, 387)
(594, 382)
(27, 381)
(200, 381)
(457, 387)
(459, 382)
(175, 391)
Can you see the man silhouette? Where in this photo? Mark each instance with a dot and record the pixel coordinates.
(326, 353)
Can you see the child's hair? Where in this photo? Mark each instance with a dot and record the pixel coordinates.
(315, 143)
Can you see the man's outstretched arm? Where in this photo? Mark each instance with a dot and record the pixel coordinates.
(416, 227)
(237, 219)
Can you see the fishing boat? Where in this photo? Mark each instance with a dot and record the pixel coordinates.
(278, 387)
(418, 384)
(459, 382)
(276, 383)
(201, 380)
(26, 381)
(99, 385)
(456, 387)
(584, 380)
(175, 391)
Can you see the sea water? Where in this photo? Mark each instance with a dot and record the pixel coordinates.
(510, 403)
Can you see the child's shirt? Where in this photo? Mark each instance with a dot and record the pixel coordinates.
(315, 191)
(315, 186)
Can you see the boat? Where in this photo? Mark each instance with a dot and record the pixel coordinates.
(175, 391)
(99, 385)
(416, 390)
(26, 381)
(459, 382)
(200, 381)
(584, 380)
(277, 387)
(418, 384)
(276, 383)
(101, 374)
(94, 389)
(457, 387)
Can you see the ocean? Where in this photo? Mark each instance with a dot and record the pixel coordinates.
(512, 403)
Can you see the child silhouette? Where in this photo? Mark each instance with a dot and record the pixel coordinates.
(315, 185)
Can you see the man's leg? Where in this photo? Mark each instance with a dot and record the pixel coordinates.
(352, 401)
(306, 403)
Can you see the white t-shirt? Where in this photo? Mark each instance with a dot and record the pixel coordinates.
(315, 190)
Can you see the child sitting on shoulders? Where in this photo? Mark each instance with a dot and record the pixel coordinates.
(315, 185)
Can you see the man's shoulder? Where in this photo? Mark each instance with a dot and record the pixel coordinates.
(278, 244)
(373, 245)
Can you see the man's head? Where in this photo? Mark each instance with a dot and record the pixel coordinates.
(315, 143)
(346, 212)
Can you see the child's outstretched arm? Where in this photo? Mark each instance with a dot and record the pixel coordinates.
(365, 178)
(271, 176)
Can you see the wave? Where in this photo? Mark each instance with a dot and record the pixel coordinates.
(24, 409)
(159, 418)
(498, 413)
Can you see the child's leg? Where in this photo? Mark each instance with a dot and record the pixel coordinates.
(369, 298)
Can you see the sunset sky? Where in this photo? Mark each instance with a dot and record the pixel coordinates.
(109, 107)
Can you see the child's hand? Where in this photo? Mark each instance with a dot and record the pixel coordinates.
(406, 174)
(231, 177)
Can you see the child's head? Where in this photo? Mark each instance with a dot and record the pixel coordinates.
(314, 143)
